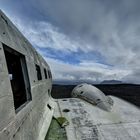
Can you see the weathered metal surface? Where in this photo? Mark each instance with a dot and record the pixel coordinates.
(93, 95)
(88, 122)
(33, 120)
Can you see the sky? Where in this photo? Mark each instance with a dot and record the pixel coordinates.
(82, 40)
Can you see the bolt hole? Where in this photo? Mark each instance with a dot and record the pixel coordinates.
(66, 110)
(64, 100)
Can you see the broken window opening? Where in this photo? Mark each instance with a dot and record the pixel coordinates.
(18, 76)
(38, 70)
(49, 74)
(45, 73)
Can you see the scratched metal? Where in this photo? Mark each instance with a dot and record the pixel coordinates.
(88, 122)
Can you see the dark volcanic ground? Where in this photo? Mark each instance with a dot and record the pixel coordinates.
(127, 92)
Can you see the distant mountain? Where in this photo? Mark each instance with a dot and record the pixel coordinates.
(111, 82)
(72, 82)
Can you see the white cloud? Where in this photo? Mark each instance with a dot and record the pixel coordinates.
(94, 72)
(112, 30)
(50, 37)
(44, 35)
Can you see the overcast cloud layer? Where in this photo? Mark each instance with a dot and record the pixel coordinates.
(86, 40)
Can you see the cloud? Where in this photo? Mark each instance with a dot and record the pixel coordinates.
(101, 36)
(84, 71)
(110, 27)
(133, 76)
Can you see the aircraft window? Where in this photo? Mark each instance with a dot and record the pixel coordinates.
(38, 70)
(45, 73)
(49, 74)
(18, 77)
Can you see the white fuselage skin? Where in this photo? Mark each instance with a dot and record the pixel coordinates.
(32, 119)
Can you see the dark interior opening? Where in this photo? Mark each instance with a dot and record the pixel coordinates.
(49, 74)
(45, 72)
(18, 76)
(38, 70)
